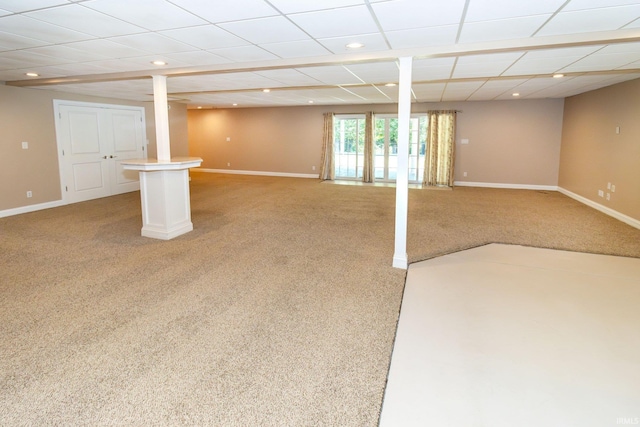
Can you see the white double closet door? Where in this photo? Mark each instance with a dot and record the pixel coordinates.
(93, 140)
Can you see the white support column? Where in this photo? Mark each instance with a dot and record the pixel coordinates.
(402, 181)
(161, 108)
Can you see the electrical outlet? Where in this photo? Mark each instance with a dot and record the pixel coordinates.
(29, 194)
(464, 174)
(228, 164)
(600, 193)
(613, 188)
(608, 196)
(313, 168)
(25, 145)
(608, 186)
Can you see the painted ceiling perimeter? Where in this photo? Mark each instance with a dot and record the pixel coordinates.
(224, 52)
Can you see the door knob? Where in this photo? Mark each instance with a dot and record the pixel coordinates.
(112, 157)
(105, 157)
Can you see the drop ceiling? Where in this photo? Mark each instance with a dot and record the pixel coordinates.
(223, 53)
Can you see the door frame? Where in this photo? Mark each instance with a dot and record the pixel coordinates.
(57, 103)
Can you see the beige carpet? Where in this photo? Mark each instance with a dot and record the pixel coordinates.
(279, 309)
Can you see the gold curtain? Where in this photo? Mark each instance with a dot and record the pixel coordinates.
(368, 165)
(327, 171)
(440, 150)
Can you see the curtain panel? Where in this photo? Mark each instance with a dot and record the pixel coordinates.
(368, 174)
(440, 149)
(327, 170)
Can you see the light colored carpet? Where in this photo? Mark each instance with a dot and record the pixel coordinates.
(279, 309)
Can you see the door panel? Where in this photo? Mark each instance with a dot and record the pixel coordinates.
(95, 140)
(127, 144)
(87, 175)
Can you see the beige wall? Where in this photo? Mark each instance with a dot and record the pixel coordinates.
(510, 142)
(593, 155)
(27, 115)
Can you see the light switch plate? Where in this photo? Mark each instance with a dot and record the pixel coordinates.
(25, 145)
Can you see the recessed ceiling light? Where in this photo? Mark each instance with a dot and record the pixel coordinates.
(310, 102)
(199, 107)
(390, 85)
(32, 74)
(354, 45)
(266, 90)
(558, 76)
(515, 94)
(159, 63)
(235, 105)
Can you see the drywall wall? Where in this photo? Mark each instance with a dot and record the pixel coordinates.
(510, 142)
(593, 154)
(27, 115)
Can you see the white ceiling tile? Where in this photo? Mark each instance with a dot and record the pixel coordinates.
(494, 88)
(289, 77)
(592, 4)
(634, 24)
(484, 65)
(244, 53)
(197, 83)
(432, 69)
(297, 6)
(633, 47)
(502, 29)
(205, 37)
(107, 48)
(68, 54)
(460, 91)
(38, 30)
(423, 37)
(376, 72)
(630, 66)
(296, 49)
(485, 10)
(540, 66)
(17, 6)
(273, 29)
(372, 43)
(336, 22)
(599, 61)
(89, 21)
(4, 12)
(582, 21)
(425, 92)
(369, 94)
(216, 11)
(406, 14)
(154, 15)
(579, 51)
(194, 58)
(26, 57)
(152, 43)
(332, 75)
(70, 69)
(10, 41)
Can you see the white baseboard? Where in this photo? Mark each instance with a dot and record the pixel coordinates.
(259, 173)
(31, 208)
(617, 215)
(509, 186)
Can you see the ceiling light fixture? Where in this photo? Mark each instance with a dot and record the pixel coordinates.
(199, 107)
(558, 76)
(310, 102)
(158, 63)
(266, 90)
(354, 45)
(32, 74)
(235, 105)
(390, 85)
(515, 94)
